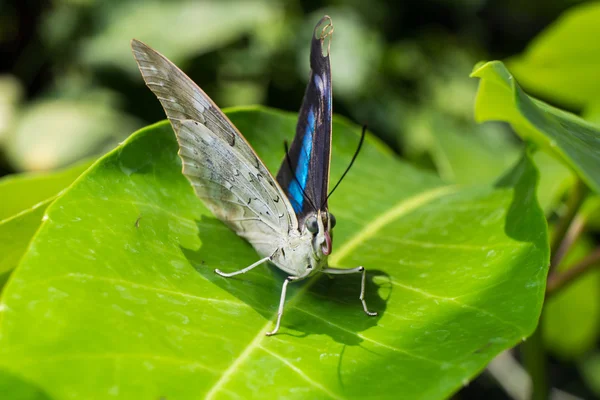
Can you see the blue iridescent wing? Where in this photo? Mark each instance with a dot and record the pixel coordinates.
(310, 152)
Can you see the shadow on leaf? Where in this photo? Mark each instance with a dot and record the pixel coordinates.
(523, 179)
(17, 388)
(318, 305)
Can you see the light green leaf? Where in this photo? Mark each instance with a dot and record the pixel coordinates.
(568, 137)
(555, 180)
(15, 235)
(591, 212)
(25, 197)
(478, 154)
(462, 153)
(72, 130)
(562, 63)
(178, 29)
(117, 295)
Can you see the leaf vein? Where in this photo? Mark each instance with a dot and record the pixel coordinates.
(92, 356)
(301, 373)
(387, 346)
(402, 208)
(133, 285)
(450, 246)
(457, 302)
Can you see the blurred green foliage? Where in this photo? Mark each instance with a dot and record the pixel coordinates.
(569, 138)
(563, 62)
(395, 65)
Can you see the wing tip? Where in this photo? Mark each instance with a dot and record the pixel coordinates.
(138, 45)
(326, 30)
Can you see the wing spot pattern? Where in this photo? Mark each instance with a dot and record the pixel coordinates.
(265, 190)
(214, 173)
(182, 144)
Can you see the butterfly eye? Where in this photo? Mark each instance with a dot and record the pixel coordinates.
(312, 225)
(332, 220)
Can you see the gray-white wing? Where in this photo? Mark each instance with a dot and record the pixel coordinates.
(236, 191)
(218, 161)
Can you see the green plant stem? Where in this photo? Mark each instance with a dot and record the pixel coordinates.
(571, 236)
(534, 359)
(566, 233)
(561, 241)
(557, 280)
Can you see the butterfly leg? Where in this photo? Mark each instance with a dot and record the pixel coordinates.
(281, 304)
(363, 281)
(242, 271)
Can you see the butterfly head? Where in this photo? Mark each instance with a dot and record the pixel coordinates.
(320, 225)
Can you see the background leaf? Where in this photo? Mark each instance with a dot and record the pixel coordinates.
(195, 27)
(356, 51)
(456, 148)
(478, 154)
(562, 63)
(25, 197)
(73, 129)
(570, 138)
(555, 181)
(457, 275)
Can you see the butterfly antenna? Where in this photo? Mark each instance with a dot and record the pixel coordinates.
(362, 139)
(289, 161)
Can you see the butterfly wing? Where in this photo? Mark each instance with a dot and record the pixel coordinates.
(224, 170)
(310, 152)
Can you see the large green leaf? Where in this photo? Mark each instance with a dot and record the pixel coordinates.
(117, 295)
(562, 63)
(25, 197)
(567, 136)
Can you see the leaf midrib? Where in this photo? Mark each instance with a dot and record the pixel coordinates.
(403, 207)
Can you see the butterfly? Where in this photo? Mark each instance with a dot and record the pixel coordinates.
(287, 219)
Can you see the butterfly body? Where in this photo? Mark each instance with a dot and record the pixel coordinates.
(286, 219)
